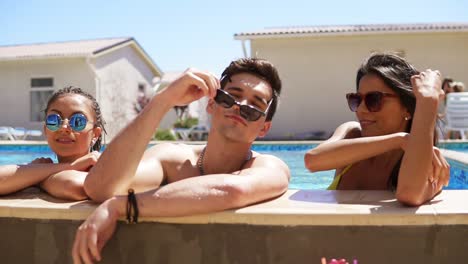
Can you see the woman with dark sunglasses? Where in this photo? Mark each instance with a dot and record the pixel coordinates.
(392, 145)
(73, 128)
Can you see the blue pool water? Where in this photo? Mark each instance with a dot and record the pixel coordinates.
(292, 154)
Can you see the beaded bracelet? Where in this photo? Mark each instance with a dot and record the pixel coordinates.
(132, 207)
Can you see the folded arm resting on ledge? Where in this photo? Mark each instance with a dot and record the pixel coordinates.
(196, 195)
(66, 184)
(62, 180)
(17, 177)
(423, 171)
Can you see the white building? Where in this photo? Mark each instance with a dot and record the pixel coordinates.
(196, 109)
(318, 65)
(114, 70)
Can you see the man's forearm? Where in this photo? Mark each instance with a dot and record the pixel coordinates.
(118, 164)
(190, 196)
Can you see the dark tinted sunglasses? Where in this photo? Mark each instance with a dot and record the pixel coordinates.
(248, 112)
(77, 122)
(373, 100)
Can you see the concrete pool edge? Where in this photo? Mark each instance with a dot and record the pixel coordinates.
(294, 208)
(298, 227)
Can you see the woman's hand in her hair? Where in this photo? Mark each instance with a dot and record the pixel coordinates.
(86, 162)
(42, 160)
(427, 85)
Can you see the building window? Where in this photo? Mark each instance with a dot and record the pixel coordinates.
(141, 88)
(42, 82)
(142, 98)
(41, 90)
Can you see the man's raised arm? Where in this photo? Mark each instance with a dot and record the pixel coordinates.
(116, 168)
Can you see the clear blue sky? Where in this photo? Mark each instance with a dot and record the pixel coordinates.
(179, 34)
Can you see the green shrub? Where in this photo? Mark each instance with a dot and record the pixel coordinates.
(186, 123)
(164, 134)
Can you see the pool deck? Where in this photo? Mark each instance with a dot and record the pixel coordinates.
(298, 227)
(294, 208)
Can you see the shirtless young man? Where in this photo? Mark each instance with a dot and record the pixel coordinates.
(179, 179)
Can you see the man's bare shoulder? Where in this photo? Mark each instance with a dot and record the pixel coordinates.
(174, 151)
(268, 161)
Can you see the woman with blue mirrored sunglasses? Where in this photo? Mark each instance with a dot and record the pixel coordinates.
(77, 122)
(74, 142)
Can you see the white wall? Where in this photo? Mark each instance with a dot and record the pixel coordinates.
(119, 74)
(15, 85)
(317, 72)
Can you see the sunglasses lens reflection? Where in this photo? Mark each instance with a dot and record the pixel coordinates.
(77, 122)
(373, 101)
(53, 122)
(249, 113)
(354, 100)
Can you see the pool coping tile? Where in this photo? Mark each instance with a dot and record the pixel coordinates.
(294, 208)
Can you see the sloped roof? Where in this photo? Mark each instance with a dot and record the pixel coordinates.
(71, 49)
(80, 48)
(302, 31)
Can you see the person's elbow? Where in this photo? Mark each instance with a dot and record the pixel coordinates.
(68, 189)
(94, 190)
(410, 198)
(312, 161)
(95, 195)
(238, 195)
(74, 190)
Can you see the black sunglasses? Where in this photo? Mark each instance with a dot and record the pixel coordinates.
(373, 100)
(77, 122)
(248, 112)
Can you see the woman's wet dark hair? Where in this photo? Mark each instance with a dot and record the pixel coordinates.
(396, 73)
(94, 104)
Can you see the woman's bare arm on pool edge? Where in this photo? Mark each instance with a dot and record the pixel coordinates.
(346, 146)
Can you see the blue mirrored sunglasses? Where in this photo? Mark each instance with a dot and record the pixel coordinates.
(77, 122)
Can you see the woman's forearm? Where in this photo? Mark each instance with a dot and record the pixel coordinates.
(17, 177)
(66, 184)
(414, 187)
(339, 153)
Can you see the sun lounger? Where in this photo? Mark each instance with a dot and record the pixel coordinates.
(6, 134)
(196, 132)
(457, 113)
(18, 133)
